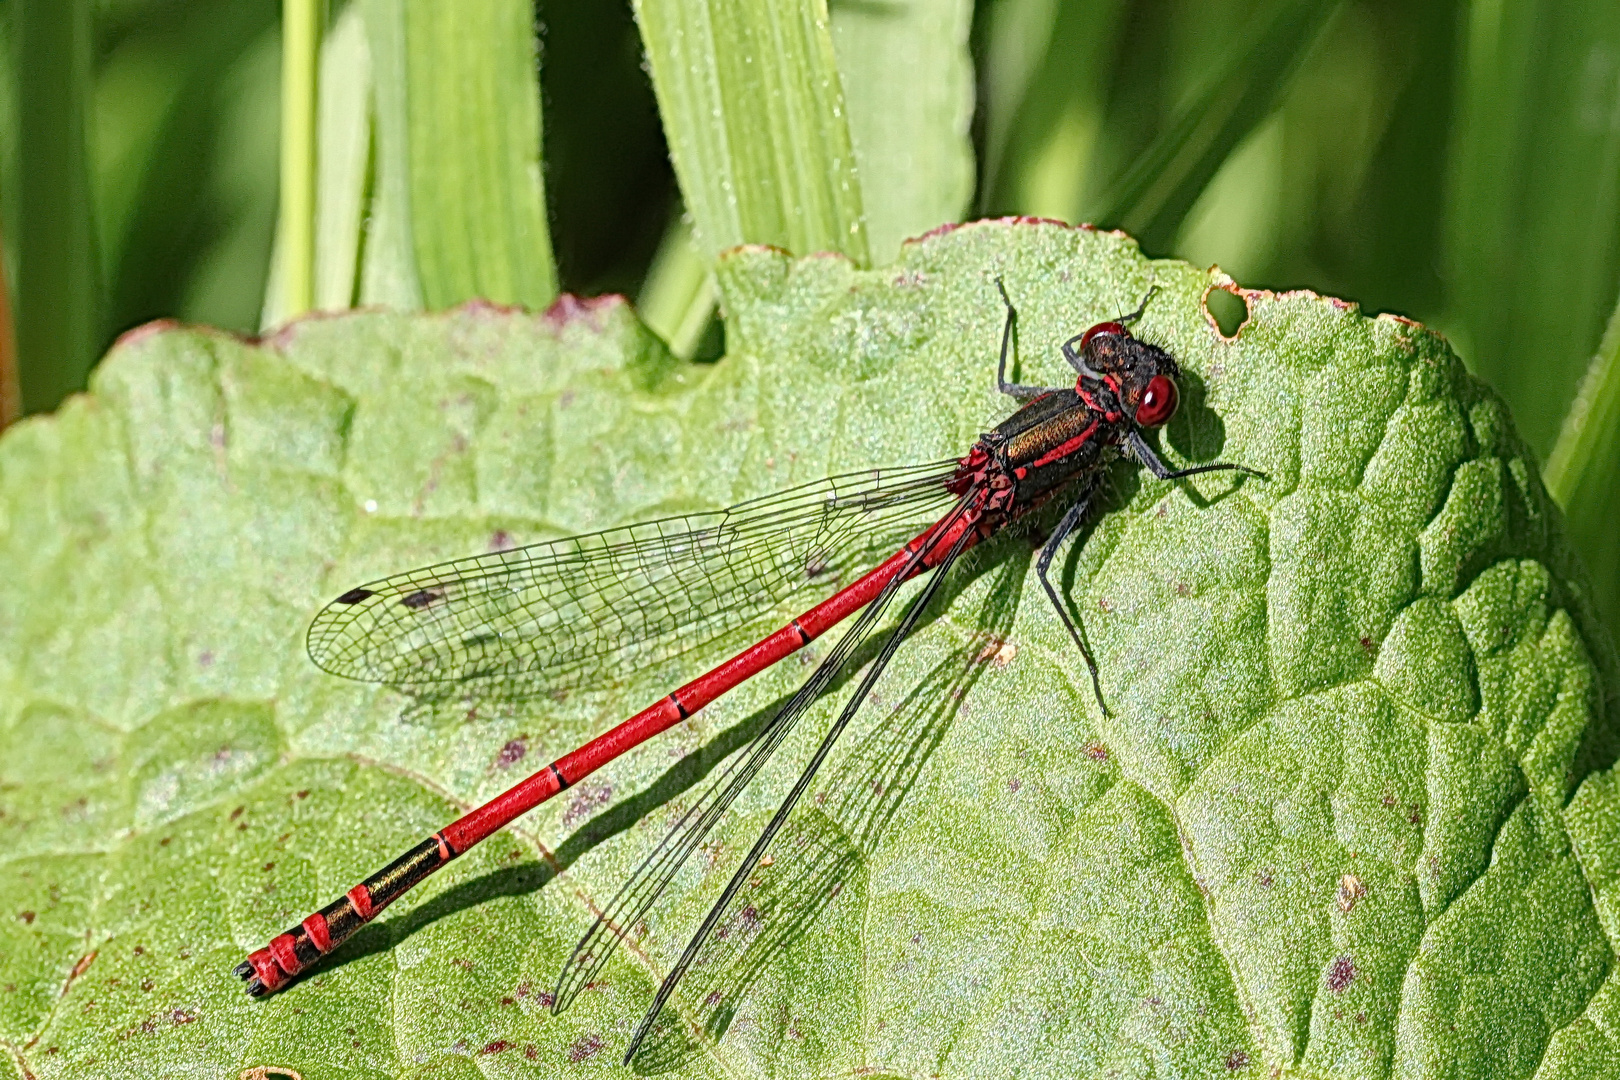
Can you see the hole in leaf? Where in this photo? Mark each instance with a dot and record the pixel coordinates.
(1227, 310)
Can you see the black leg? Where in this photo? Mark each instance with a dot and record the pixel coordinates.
(1126, 320)
(1072, 355)
(1017, 391)
(1144, 453)
(1043, 562)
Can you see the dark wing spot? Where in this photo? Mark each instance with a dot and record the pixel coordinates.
(421, 598)
(354, 596)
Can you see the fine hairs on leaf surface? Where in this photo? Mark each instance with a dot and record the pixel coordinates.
(1354, 814)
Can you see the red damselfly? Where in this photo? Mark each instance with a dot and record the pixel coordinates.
(548, 614)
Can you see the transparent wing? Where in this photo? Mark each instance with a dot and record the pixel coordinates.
(740, 879)
(547, 616)
(829, 840)
(641, 891)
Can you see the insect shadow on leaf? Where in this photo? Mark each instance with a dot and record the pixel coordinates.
(1196, 432)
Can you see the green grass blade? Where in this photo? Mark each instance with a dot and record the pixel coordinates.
(1534, 211)
(302, 22)
(908, 84)
(1048, 75)
(59, 319)
(1152, 198)
(460, 204)
(676, 300)
(344, 162)
(1017, 36)
(388, 275)
(10, 388)
(1583, 474)
(754, 112)
(472, 101)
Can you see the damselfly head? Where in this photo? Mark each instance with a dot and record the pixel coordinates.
(1142, 376)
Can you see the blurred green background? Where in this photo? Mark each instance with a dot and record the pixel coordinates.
(1455, 162)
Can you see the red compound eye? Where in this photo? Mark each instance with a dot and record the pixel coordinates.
(1100, 328)
(1158, 402)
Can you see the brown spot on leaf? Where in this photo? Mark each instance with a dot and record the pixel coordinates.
(567, 308)
(586, 1046)
(1341, 974)
(513, 752)
(27, 917)
(587, 799)
(1350, 890)
(998, 652)
(1237, 1059)
(496, 1047)
(1097, 752)
(82, 966)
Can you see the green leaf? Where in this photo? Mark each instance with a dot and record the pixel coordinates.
(1328, 831)
(754, 113)
(1533, 214)
(908, 84)
(460, 208)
